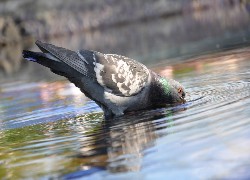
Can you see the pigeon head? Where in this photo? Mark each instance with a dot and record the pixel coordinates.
(168, 92)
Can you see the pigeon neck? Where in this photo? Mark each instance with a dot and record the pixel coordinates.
(159, 91)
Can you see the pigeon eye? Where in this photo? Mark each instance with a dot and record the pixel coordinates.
(180, 90)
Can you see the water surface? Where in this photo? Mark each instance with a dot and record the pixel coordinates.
(51, 130)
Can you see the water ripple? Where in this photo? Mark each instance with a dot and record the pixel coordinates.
(52, 130)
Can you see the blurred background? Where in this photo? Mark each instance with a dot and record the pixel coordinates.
(149, 31)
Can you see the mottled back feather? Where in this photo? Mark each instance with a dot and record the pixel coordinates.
(118, 74)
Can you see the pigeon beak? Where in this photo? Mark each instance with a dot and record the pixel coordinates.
(183, 100)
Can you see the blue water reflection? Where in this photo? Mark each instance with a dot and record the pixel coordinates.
(51, 130)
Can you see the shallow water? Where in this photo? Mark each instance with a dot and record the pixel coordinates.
(51, 130)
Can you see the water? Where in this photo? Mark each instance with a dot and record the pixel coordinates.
(51, 130)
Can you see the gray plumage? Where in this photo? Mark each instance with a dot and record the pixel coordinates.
(116, 83)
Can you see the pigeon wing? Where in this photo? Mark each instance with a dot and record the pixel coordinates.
(119, 75)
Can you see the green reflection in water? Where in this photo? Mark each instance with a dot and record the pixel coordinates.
(42, 149)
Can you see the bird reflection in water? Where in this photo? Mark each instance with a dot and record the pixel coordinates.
(119, 145)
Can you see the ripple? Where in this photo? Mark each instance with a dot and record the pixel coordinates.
(55, 129)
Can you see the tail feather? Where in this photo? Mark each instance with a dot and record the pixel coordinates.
(56, 66)
(69, 57)
(31, 56)
(41, 58)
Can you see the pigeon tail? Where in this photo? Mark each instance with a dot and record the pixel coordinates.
(31, 56)
(48, 60)
(44, 59)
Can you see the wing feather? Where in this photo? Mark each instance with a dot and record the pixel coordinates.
(118, 74)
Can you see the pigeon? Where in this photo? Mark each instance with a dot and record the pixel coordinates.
(116, 83)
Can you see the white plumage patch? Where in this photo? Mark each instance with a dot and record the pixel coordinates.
(98, 69)
(118, 74)
(133, 82)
